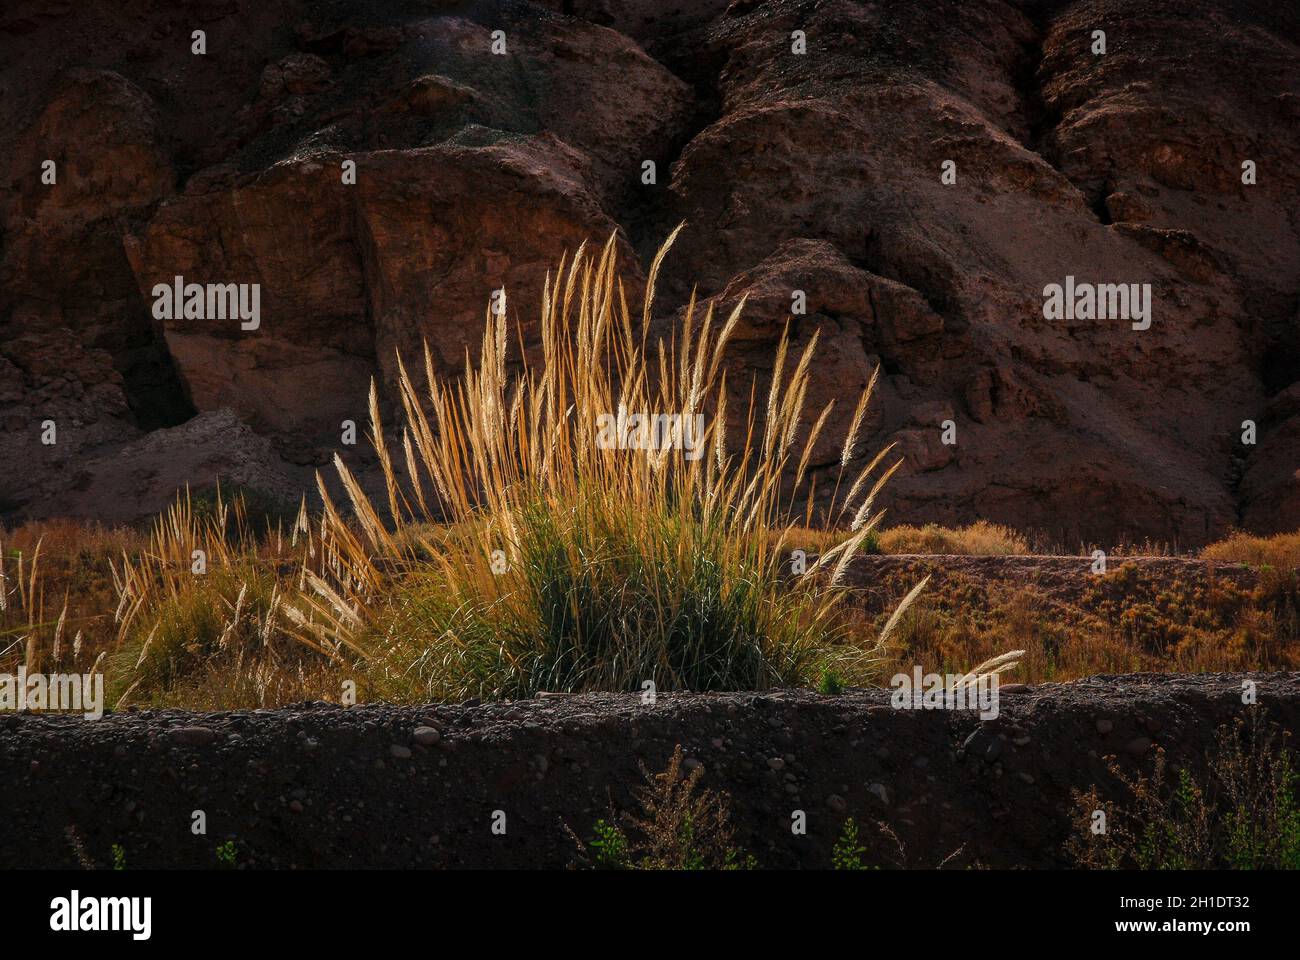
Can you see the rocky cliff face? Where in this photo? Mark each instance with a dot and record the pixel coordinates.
(816, 176)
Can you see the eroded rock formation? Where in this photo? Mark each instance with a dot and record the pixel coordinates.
(818, 172)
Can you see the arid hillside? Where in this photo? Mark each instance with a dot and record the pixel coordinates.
(906, 176)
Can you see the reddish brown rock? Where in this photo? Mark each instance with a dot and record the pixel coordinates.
(1270, 487)
(411, 249)
(289, 230)
(859, 315)
(427, 283)
(1071, 424)
(820, 171)
(141, 478)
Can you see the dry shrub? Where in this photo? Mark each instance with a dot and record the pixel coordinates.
(1131, 619)
(980, 538)
(1280, 551)
(679, 826)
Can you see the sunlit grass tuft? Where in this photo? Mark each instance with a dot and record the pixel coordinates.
(565, 563)
(200, 613)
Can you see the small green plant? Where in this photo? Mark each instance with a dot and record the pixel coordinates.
(847, 852)
(1260, 787)
(1243, 816)
(226, 854)
(831, 683)
(608, 847)
(119, 857)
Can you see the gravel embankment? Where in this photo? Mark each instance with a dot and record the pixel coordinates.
(372, 786)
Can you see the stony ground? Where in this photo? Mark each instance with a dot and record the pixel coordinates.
(374, 786)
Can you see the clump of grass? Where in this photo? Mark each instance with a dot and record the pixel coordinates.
(200, 614)
(980, 538)
(566, 563)
(1280, 551)
(679, 827)
(1244, 816)
(32, 635)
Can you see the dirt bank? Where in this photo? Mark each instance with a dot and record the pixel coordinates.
(1065, 582)
(324, 786)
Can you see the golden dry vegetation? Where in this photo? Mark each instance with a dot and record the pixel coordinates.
(516, 551)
